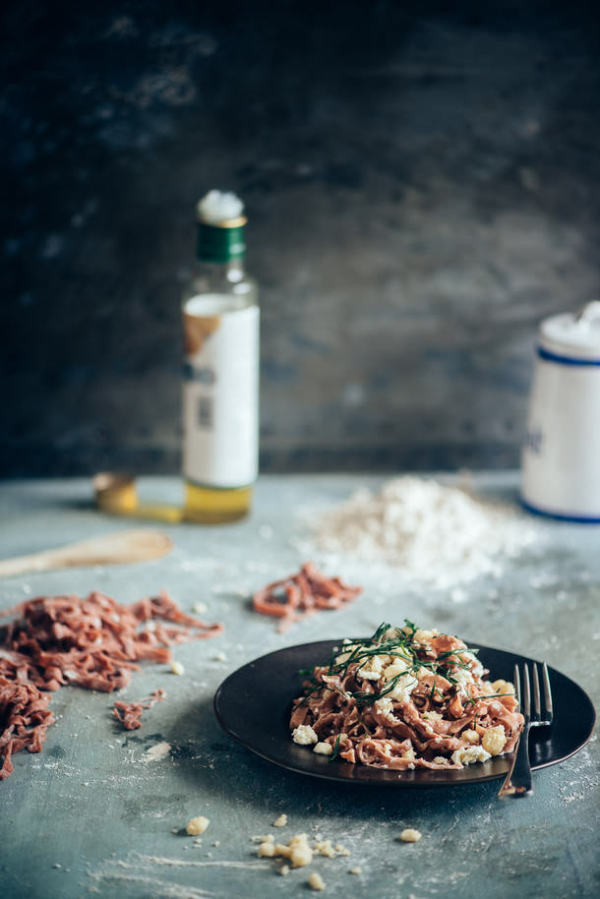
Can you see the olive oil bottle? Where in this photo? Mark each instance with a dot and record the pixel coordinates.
(221, 368)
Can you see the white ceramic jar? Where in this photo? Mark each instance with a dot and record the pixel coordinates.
(561, 456)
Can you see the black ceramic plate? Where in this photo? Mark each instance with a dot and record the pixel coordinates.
(253, 706)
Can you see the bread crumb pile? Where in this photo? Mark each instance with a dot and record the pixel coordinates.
(435, 534)
(298, 852)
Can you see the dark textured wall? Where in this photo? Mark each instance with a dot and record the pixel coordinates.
(422, 182)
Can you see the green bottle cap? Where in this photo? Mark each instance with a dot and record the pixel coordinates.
(220, 227)
(221, 242)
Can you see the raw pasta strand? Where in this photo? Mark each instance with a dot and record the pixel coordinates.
(95, 643)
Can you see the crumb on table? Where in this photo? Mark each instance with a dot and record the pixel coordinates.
(196, 826)
(324, 847)
(296, 850)
(410, 835)
(315, 882)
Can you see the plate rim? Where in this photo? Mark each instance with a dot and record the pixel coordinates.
(431, 782)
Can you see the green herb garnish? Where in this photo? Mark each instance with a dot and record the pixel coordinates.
(336, 748)
(473, 699)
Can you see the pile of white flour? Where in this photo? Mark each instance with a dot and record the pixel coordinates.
(437, 534)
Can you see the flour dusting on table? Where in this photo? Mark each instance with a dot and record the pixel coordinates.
(437, 534)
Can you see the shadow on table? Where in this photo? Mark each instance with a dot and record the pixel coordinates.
(213, 762)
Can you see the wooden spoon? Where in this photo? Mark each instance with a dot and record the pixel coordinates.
(111, 549)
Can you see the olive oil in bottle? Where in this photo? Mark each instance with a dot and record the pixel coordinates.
(220, 381)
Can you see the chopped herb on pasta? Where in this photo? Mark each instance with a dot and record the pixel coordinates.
(406, 698)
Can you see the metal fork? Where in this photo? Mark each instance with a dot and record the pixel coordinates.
(518, 780)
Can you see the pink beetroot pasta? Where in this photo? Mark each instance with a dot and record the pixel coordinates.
(403, 699)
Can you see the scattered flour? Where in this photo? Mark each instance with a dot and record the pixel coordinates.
(136, 868)
(157, 752)
(437, 534)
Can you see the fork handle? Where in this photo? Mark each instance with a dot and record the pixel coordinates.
(518, 780)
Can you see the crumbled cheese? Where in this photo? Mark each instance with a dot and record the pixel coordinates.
(220, 657)
(341, 850)
(304, 735)
(315, 882)
(343, 657)
(300, 852)
(468, 755)
(177, 668)
(386, 707)
(372, 669)
(431, 716)
(325, 848)
(462, 676)
(424, 638)
(297, 850)
(281, 821)
(323, 748)
(396, 666)
(355, 870)
(440, 760)
(196, 826)
(266, 839)
(477, 668)
(494, 740)
(471, 736)
(503, 686)
(284, 870)
(406, 681)
(468, 657)
(410, 835)
(200, 607)
(403, 688)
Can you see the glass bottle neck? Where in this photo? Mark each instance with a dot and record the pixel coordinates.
(222, 272)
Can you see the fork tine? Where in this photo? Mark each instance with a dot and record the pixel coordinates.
(517, 679)
(547, 694)
(537, 703)
(526, 692)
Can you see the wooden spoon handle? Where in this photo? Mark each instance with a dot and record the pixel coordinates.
(111, 549)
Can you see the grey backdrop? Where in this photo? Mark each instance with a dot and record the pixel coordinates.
(422, 185)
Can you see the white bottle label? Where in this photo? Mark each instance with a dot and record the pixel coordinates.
(220, 393)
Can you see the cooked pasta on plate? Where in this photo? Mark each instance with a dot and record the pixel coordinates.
(403, 699)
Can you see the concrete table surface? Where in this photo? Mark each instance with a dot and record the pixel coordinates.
(91, 815)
